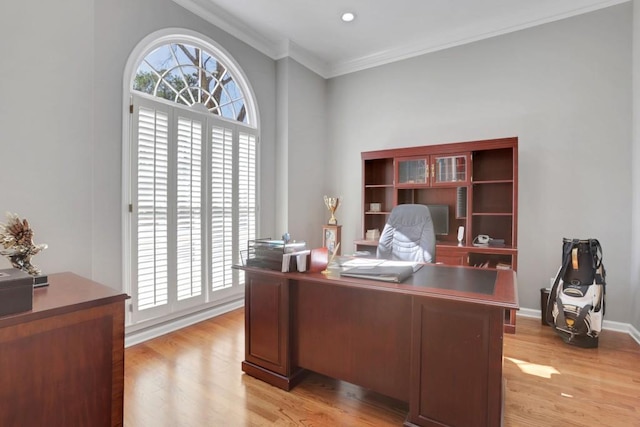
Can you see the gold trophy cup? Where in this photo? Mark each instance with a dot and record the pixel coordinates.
(332, 204)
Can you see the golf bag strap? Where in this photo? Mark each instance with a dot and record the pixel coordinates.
(566, 258)
(560, 319)
(583, 314)
(596, 253)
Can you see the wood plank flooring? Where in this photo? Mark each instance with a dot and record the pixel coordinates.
(192, 378)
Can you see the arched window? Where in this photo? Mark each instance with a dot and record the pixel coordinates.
(192, 171)
(189, 75)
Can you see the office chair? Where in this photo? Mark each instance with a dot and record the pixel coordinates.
(408, 235)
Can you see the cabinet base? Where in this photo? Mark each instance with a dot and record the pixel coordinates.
(276, 380)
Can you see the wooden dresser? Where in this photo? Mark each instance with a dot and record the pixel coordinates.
(62, 363)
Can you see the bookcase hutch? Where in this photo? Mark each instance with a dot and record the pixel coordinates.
(478, 180)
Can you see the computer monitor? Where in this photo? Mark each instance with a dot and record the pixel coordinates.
(440, 219)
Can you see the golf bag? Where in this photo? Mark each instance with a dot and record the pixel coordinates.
(576, 304)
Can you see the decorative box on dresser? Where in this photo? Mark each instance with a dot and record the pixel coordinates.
(62, 363)
(477, 180)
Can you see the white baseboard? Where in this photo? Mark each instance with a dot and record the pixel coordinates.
(634, 334)
(607, 324)
(142, 335)
(139, 336)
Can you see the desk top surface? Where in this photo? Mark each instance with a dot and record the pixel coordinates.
(66, 292)
(475, 285)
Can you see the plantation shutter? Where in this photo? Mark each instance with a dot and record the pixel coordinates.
(246, 189)
(221, 207)
(151, 224)
(189, 215)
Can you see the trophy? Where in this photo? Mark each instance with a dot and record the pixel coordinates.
(332, 204)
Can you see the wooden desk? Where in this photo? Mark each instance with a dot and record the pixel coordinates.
(434, 341)
(62, 363)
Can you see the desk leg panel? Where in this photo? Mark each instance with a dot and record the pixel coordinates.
(267, 323)
(456, 356)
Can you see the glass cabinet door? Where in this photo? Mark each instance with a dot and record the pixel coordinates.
(413, 171)
(450, 169)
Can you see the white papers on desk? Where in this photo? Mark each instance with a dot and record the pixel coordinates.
(385, 270)
(363, 262)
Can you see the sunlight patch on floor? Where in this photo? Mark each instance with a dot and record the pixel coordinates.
(543, 371)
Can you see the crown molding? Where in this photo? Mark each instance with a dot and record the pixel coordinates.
(309, 60)
(227, 22)
(278, 49)
(272, 48)
(456, 39)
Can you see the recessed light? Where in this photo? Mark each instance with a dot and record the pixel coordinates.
(348, 16)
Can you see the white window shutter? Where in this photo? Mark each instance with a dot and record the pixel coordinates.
(152, 208)
(189, 208)
(221, 207)
(247, 201)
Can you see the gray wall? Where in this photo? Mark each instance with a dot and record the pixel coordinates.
(634, 237)
(301, 135)
(46, 127)
(61, 122)
(563, 88)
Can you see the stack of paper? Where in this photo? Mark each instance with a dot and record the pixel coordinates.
(388, 271)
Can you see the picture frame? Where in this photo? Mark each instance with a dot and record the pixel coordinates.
(331, 236)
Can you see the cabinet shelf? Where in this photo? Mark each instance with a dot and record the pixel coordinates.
(493, 181)
(492, 214)
(378, 186)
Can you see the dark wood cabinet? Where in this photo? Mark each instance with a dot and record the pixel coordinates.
(477, 180)
(62, 363)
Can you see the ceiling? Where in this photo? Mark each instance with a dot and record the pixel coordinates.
(311, 32)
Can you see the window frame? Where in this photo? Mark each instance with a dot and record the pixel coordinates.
(144, 47)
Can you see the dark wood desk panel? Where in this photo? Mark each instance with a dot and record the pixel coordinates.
(361, 329)
(62, 363)
(428, 341)
(458, 381)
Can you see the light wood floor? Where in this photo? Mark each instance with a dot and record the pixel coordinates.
(193, 378)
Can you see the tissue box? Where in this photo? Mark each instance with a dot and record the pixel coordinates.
(16, 291)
